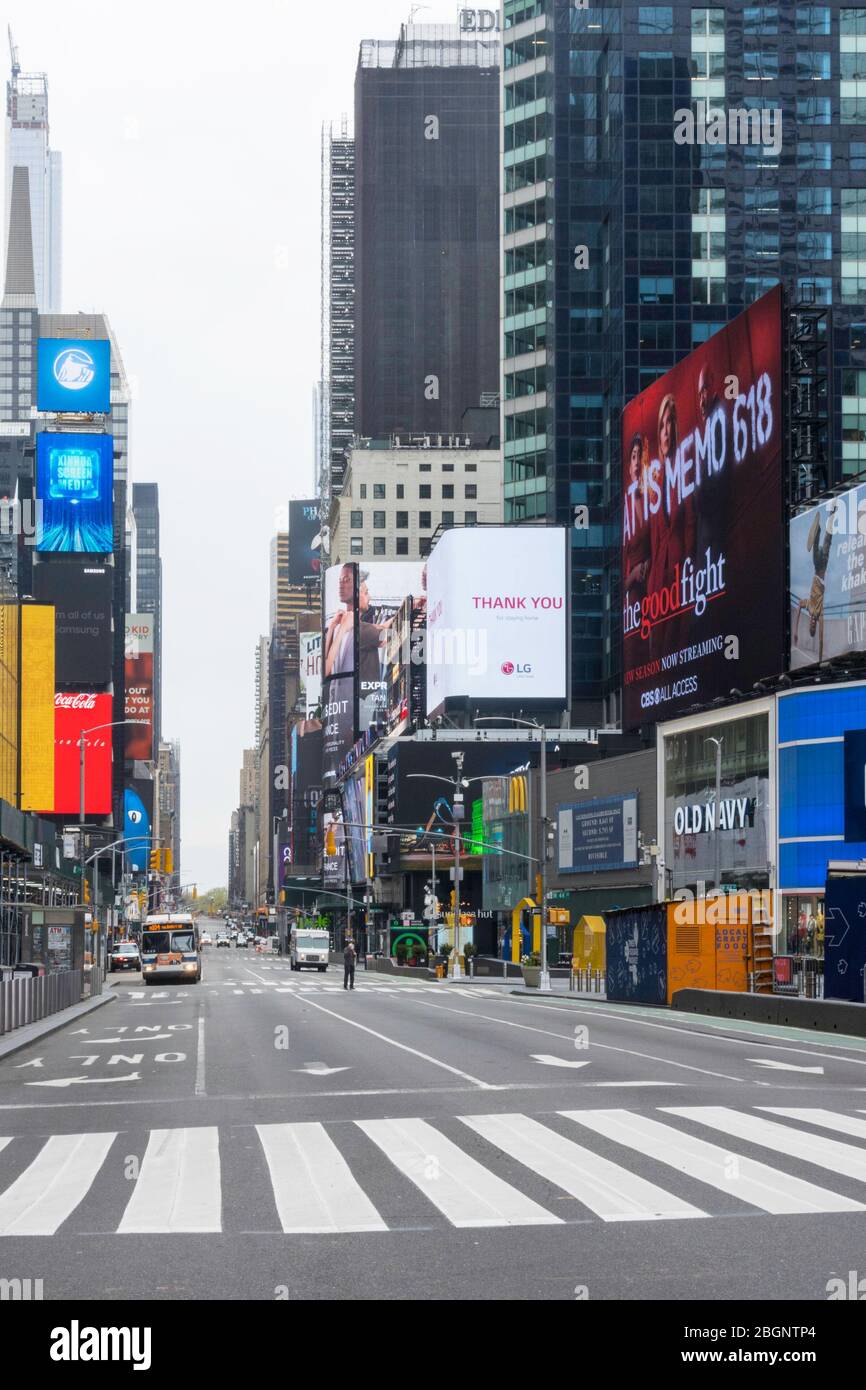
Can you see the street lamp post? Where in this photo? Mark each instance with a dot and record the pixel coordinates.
(544, 983)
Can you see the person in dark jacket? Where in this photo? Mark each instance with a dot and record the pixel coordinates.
(349, 957)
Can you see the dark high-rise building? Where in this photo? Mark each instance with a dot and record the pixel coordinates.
(426, 230)
(145, 507)
(336, 398)
(624, 249)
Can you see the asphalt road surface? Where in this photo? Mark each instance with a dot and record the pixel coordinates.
(265, 1134)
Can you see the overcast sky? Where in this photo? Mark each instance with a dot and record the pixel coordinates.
(190, 135)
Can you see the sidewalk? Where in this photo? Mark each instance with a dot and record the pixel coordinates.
(22, 1037)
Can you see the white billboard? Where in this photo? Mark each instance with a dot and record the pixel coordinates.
(310, 670)
(497, 613)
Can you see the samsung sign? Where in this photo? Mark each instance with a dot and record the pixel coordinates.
(74, 376)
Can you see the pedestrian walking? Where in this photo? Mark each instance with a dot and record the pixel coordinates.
(349, 958)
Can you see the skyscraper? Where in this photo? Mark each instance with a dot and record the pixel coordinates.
(336, 395)
(145, 507)
(426, 230)
(28, 147)
(624, 248)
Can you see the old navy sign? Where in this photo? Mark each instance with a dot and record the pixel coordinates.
(699, 817)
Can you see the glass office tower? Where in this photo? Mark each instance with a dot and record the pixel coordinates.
(28, 146)
(623, 249)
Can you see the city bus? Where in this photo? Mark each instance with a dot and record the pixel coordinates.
(170, 948)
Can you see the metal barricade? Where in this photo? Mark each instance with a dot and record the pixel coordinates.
(30, 999)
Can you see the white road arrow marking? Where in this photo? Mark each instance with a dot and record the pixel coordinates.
(783, 1066)
(154, 1037)
(37, 1062)
(319, 1069)
(547, 1061)
(85, 1080)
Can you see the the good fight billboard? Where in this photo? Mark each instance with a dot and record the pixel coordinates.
(702, 528)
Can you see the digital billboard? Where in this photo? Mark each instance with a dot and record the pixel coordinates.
(383, 588)
(37, 706)
(339, 670)
(306, 749)
(75, 486)
(75, 714)
(73, 375)
(413, 797)
(599, 834)
(138, 673)
(81, 595)
(497, 617)
(137, 817)
(828, 580)
(310, 670)
(304, 525)
(702, 522)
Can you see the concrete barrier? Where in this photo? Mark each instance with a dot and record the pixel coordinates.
(819, 1015)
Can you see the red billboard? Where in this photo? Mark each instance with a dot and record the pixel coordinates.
(702, 523)
(138, 672)
(74, 714)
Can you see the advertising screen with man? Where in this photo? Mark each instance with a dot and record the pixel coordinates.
(702, 523)
(828, 580)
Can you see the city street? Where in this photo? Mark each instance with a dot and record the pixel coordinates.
(267, 1135)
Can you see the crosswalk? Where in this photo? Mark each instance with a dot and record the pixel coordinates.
(489, 1170)
(293, 986)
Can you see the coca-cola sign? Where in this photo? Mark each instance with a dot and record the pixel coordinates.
(79, 701)
(74, 715)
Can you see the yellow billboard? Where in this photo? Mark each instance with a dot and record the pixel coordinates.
(9, 701)
(37, 706)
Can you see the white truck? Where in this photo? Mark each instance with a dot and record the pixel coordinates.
(308, 948)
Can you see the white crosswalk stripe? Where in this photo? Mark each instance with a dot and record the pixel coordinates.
(752, 1182)
(839, 1158)
(317, 1183)
(604, 1187)
(313, 1185)
(53, 1185)
(466, 1192)
(178, 1188)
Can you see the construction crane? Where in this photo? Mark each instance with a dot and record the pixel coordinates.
(13, 52)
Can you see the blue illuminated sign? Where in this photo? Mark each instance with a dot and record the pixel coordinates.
(136, 829)
(74, 375)
(75, 486)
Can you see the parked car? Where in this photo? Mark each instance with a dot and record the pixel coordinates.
(124, 956)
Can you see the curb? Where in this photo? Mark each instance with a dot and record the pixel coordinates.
(23, 1037)
(573, 998)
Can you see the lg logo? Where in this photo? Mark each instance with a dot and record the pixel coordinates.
(508, 668)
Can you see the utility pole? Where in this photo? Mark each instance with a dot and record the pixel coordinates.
(718, 827)
(458, 813)
(544, 981)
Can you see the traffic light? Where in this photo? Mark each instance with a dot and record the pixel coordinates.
(168, 861)
(154, 861)
(330, 842)
(194, 893)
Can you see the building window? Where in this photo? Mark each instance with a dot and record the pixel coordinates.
(814, 246)
(447, 518)
(852, 22)
(761, 67)
(402, 521)
(425, 468)
(402, 545)
(425, 490)
(363, 491)
(813, 19)
(470, 490)
(702, 331)
(814, 110)
(760, 200)
(378, 492)
(424, 546)
(378, 521)
(356, 545)
(470, 518)
(816, 289)
(756, 285)
(472, 468)
(448, 468)
(813, 154)
(357, 521)
(401, 492)
(378, 545)
(853, 245)
(424, 522)
(761, 19)
(447, 490)
(655, 19)
(656, 289)
(814, 202)
(758, 245)
(812, 67)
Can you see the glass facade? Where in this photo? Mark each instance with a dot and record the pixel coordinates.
(623, 249)
(27, 146)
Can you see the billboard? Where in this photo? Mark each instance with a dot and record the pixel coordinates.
(497, 613)
(383, 588)
(74, 715)
(75, 486)
(702, 532)
(845, 937)
(73, 375)
(339, 673)
(37, 706)
(306, 746)
(81, 595)
(138, 673)
(137, 820)
(310, 670)
(304, 562)
(412, 798)
(599, 834)
(828, 580)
